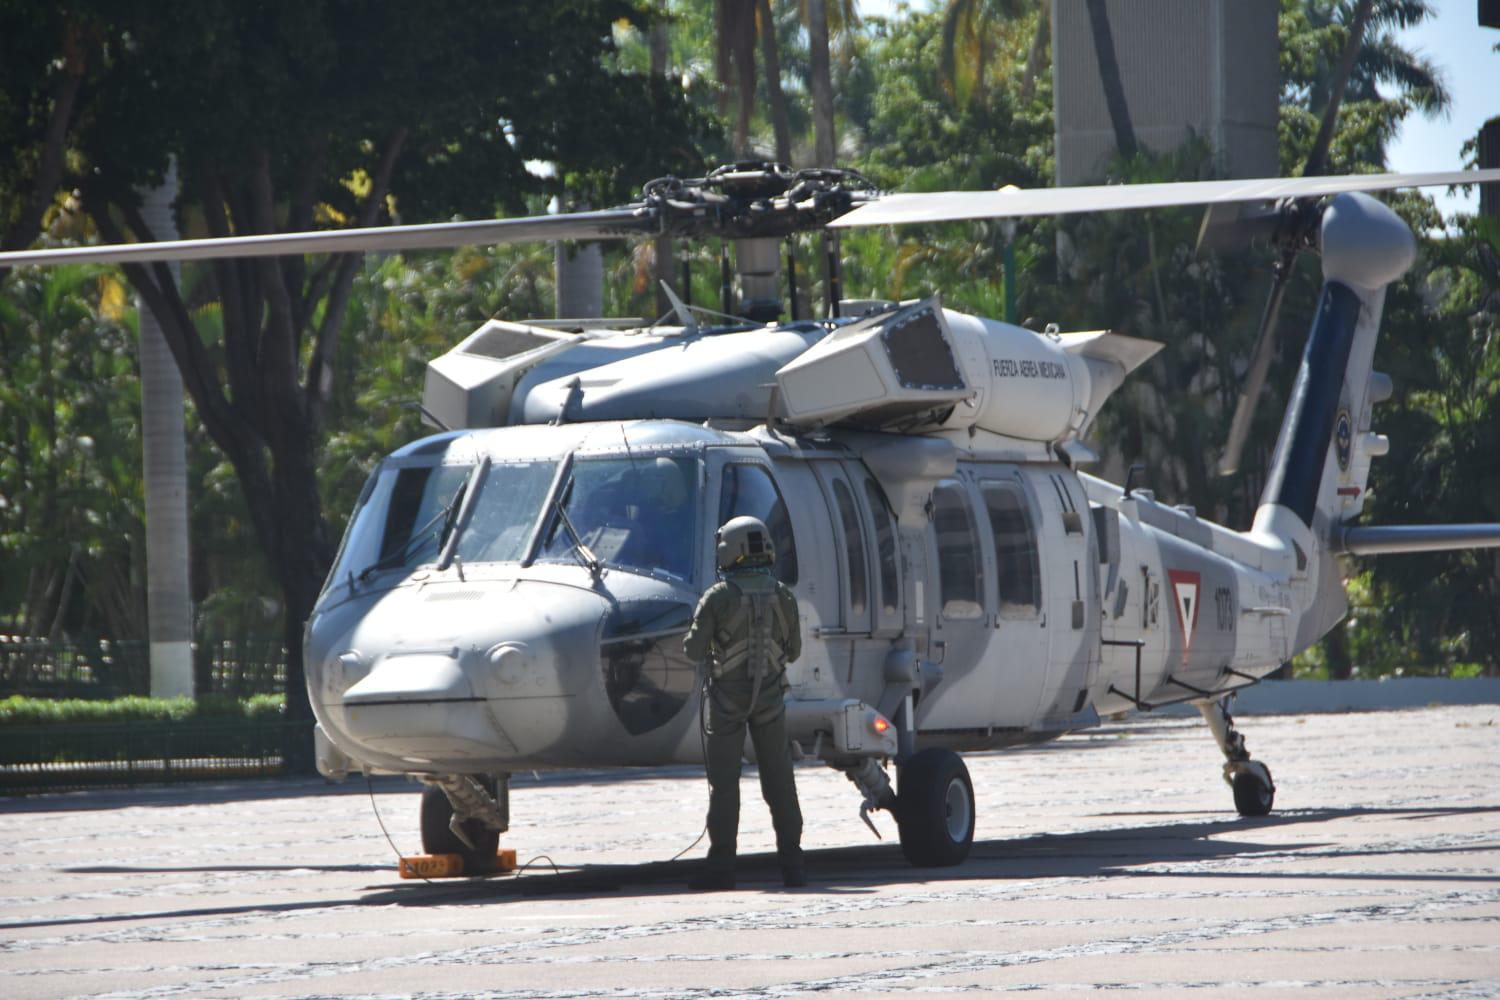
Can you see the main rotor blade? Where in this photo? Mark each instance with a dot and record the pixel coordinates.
(946, 206)
(609, 224)
(1260, 365)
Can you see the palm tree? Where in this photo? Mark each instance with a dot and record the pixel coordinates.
(734, 62)
(780, 124)
(823, 20)
(1037, 51)
(738, 25)
(1109, 77)
(976, 31)
(661, 247)
(1369, 56)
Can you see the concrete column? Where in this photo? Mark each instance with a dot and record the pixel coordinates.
(579, 272)
(168, 600)
(759, 264)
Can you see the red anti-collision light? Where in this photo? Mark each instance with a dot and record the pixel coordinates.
(879, 724)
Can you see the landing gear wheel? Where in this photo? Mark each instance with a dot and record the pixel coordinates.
(437, 838)
(1253, 794)
(935, 809)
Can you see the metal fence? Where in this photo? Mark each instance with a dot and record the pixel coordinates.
(76, 757)
(241, 667)
(105, 668)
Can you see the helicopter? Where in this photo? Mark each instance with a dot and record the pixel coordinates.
(512, 591)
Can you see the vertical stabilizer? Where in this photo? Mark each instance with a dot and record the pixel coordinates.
(1322, 461)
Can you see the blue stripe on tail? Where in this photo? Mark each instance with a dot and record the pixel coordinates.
(1297, 473)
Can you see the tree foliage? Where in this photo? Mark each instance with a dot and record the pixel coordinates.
(71, 507)
(340, 112)
(325, 113)
(1438, 611)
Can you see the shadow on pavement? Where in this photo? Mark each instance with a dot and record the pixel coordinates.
(1090, 854)
(1121, 852)
(262, 789)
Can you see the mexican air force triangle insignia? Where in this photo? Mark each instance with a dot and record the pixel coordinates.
(1186, 585)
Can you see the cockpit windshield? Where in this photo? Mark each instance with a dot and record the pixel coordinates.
(638, 513)
(635, 513)
(505, 512)
(419, 514)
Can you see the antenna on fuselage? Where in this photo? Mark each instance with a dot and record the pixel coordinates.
(682, 309)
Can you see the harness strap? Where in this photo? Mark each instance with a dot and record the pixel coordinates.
(762, 645)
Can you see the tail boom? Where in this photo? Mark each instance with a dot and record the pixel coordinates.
(1397, 539)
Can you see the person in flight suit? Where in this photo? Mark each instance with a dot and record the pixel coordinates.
(746, 630)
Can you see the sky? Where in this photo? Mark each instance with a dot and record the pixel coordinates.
(1466, 53)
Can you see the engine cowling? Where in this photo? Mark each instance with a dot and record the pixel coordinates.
(922, 367)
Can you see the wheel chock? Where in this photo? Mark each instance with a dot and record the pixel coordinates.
(452, 865)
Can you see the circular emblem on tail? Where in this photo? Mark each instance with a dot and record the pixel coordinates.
(1342, 439)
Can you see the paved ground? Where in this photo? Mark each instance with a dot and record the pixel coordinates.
(1105, 862)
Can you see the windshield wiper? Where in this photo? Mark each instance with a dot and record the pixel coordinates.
(583, 552)
(560, 478)
(553, 514)
(422, 534)
(475, 483)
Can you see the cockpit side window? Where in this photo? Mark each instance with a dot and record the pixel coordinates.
(415, 520)
(750, 491)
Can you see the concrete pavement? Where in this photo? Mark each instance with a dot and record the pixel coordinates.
(1109, 861)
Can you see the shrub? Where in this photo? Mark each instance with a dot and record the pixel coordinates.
(22, 711)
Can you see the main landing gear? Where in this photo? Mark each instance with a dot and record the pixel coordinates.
(934, 807)
(1254, 791)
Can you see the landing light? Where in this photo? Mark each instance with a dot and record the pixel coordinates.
(880, 724)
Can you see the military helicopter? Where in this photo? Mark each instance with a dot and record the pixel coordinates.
(511, 593)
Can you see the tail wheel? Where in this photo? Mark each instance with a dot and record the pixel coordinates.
(935, 809)
(1253, 794)
(438, 838)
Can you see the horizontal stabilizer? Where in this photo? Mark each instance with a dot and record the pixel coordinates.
(1394, 539)
(1102, 345)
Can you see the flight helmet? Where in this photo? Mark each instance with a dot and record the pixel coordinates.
(744, 541)
(666, 484)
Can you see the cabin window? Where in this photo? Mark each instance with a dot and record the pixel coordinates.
(1017, 565)
(960, 570)
(885, 546)
(750, 490)
(854, 549)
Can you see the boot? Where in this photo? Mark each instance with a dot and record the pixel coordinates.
(793, 876)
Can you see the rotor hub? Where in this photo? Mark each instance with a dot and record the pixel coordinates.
(752, 200)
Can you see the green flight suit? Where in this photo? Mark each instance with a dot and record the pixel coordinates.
(721, 635)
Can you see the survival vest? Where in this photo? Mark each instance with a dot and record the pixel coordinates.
(753, 635)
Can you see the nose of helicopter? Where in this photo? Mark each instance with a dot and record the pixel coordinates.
(505, 702)
(442, 689)
(420, 706)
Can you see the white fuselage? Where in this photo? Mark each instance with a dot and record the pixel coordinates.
(1012, 600)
